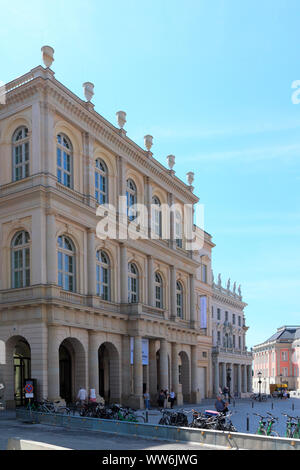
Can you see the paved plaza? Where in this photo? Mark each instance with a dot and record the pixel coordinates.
(91, 440)
(243, 408)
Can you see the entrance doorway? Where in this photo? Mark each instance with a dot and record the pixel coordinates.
(22, 370)
(65, 374)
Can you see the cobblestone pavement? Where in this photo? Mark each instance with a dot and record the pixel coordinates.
(243, 408)
(80, 440)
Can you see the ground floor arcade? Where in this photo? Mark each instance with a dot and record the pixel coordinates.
(233, 374)
(121, 367)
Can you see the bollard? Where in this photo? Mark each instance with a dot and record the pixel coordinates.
(248, 423)
(253, 404)
(293, 406)
(272, 406)
(147, 416)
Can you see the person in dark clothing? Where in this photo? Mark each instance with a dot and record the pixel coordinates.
(161, 399)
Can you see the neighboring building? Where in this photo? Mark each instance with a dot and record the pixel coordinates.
(278, 360)
(232, 362)
(203, 286)
(115, 315)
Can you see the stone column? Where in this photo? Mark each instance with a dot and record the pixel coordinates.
(193, 322)
(232, 382)
(163, 363)
(151, 299)
(175, 374)
(94, 345)
(195, 392)
(91, 254)
(48, 149)
(124, 273)
(53, 365)
(244, 388)
(216, 378)
(239, 379)
(37, 151)
(126, 369)
(148, 203)
(173, 304)
(138, 372)
(172, 222)
(249, 388)
(38, 272)
(51, 251)
(224, 375)
(152, 372)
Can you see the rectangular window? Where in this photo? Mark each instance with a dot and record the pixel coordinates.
(218, 314)
(233, 318)
(226, 316)
(239, 321)
(204, 273)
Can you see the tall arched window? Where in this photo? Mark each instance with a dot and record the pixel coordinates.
(66, 264)
(178, 229)
(64, 161)
(156, 217)
(131, 199)
(158, 291)
(101, 182)
(103, 275)
(133, 283)
(179, 299)
(20, 260)
(20, 144)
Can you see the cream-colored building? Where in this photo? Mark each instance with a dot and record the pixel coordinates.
(232, 362)
(117, 315)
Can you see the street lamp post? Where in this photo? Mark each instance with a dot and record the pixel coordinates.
(228, 383)
(259, 385)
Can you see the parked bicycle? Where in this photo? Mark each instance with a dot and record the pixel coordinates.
(265, 425)
(173, 418)
(292, 426)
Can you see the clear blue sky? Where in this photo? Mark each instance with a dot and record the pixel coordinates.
(211, 81)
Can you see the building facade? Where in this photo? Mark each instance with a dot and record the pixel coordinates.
(231, 361)
(119, 315)
(277, 360)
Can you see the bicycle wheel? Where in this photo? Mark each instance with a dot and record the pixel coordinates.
(63, 410)
(162, 422)
(274, 434)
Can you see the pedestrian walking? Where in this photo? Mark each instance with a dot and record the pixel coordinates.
(82, 395)
(93, 397)
(172, 398)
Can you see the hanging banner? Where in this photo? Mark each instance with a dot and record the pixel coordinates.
(145, 351)
(203, 311)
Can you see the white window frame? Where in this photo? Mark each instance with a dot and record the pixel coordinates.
(103, 275)
(66, 254)
(64, 154)
(21, 154)
(20, 260)
(101, 180)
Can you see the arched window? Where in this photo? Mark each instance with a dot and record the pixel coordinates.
(20, 144)
(131, 199)
(66, 264)
(101, 182)
(103, 275)
(156, 217)
(179, 299)
(158, 291)
(64, 161)
(21, 260)
(178, 229)
(133, 283)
